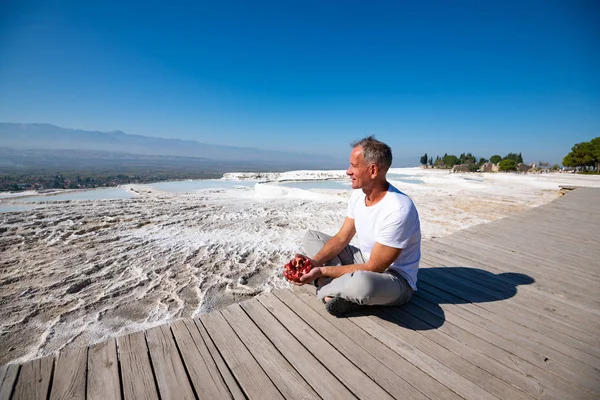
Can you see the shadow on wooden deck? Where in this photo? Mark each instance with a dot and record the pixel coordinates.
(443, 285)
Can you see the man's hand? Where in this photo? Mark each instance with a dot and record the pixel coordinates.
(296, 267)
(314, 274)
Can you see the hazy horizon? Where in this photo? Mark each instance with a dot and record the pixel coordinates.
(336, 161)
(42, 136)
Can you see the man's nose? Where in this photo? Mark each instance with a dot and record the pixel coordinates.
(348, 172)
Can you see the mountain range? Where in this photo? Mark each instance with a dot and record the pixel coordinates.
(50, 137)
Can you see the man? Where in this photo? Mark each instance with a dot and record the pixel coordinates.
(384, 270)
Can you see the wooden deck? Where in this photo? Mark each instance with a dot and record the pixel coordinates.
(504, 310)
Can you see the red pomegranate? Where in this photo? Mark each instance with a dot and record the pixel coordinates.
(297, 267)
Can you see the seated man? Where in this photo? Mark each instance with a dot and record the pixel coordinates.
(384, 270)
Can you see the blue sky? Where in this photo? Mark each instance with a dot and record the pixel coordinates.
(464, 76)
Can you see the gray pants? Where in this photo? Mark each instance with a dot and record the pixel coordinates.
(362, 287)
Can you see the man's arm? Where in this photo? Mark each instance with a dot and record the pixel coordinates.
(381, 258)
(336, 244)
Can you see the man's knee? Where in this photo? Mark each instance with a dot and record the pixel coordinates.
(361, 287)
(312, 243)
(309, 235)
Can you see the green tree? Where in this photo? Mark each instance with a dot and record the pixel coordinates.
(518, 158)
(596, 151)
(424, 159)
(568, 160)
(469, 159)
(582, 155)
(431, 161)
(495, 159)
(507, 165)
(450, 160)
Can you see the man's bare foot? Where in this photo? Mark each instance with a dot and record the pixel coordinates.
(327, 299)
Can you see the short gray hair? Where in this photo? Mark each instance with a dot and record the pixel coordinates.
(375, 152)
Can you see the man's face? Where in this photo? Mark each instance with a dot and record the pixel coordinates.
(359, 169)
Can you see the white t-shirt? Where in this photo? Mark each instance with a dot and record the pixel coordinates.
(393, 222)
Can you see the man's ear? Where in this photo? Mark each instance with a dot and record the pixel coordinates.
(373, 170)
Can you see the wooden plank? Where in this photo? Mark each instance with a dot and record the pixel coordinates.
(579, 328)
(488, 245)
(378, 371)
(454, 344)
(70, 374)
(576, 252)
(425, 383)
(170, 374)
(289, 382)
(546, 302)
(514, 323)
(539, 223)
(546, 223)
(576, 225)
(519, 312)
(492, 376)
(525, 302)
(391, 335)
(543, 222)
(232, 385)
(8, 377)
(321, 380)
(544, 232)
(505, 334)
(507, 243)
(253, 380)
(34, 379)
(348, 373)
(103, 381)
(578, 216)
(551, 368)
(203, 371)
(545, 291)
(552, 334)
(492, 248)
(136, 372)
(510, 259)
(542, 287)
(3, 371)
(588, 210)
(450, 359)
